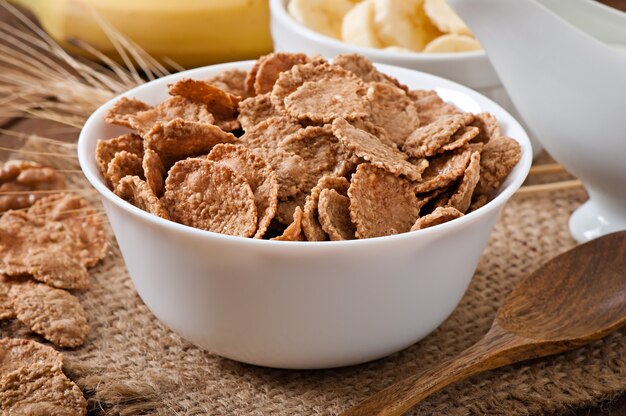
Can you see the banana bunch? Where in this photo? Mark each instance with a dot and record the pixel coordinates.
(429, 26)
(189, 32)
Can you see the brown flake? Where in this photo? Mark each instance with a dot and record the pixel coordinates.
(28, 180)
(334, 215)
(137, 192)
(106, 150)
(170, 109)
(370, 148)
(488, 127)
(462, 137)
(294, 231)
(206, 195)
(123, 108)
(270, 66)
(219, 103)
(462, 196)
(381, 203)
(438, 216)
(428, 140)
(497, 160)
(6, 306)
(444, 169)
(81, 218)
(430, 106)
(154, 171)
(310, 222)
(233, 81)
(364, 69)
(179, 139)
(259, 175)
(286, 208)
(16, 353)
(123, 164)
(47, 250)
(255, 109)
(392, 110)
(40, 389)
(53, 313)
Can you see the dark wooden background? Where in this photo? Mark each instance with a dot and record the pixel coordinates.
(615, 407)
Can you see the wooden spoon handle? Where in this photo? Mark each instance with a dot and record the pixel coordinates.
(496, 349)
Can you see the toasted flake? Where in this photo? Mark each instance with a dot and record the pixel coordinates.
(497, 160)
(170, 109)
(219, 102)
(381, 203)
(53, 313)
(310, 222)
(106, 149)
(40, 389)
(294, 231)
(462, 137)
(259, 175)
(253, 110)
(334, 215)
(210, 196)
(230, 80)
(364, 69)
(444, 169)
(123, 108)
(154, 171)
(81, 218)
(179, 139)
(137, 192)
(16, 353)
(45, 249)
(438, 216)
(392, 110)
(263, 139)
(6, 306)
(286, 208)
(29, 182)
(430, 106)
(488, 127)
(270, 67)
(428, 140)
(370, 148)
(123, 164)
(462, 196)
(321, 151)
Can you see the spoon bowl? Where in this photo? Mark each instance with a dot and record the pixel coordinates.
(577, 297)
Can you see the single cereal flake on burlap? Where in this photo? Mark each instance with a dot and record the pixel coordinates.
(16, 353)
(24, 182)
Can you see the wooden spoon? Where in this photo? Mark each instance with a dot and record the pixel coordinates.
(577, 297)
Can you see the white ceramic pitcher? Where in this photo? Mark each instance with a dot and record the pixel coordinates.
(559, 62)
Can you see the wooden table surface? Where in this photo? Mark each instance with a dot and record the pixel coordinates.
(615, 407)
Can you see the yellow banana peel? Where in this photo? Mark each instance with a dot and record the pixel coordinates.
(189, 32)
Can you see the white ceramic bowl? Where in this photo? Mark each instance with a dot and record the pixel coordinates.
(303, 304)
(472, 69)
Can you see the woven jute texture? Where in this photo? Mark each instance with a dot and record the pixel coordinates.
(131, 364)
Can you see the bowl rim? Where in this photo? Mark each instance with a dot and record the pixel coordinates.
(278, 10)
(515, 179)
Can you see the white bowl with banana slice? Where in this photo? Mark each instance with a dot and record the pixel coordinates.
(425, 35)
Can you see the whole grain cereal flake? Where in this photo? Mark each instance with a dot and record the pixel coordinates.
(269, 67)
(120, 112)
(137, 192)
(364, 69)
(428, 140)
(255, 109)
(47, 250)
(6, 306)
(381, 203)
(294, 231)
(286, 208)
(40, 389)
(370, 148)
(438, 216)
(123, 164)
(81, 218)
(153, 170)
(462, 196)
(310, 221)
(230, 80)
(430, 106)
(444, 169)
(170, 109)
(16, 353)
(220, 103)
(497, 160)
(257, 173)
(23, 182)
(107, 149)
(53, 313)
(334, 215)
(204, 194)
(488, 127)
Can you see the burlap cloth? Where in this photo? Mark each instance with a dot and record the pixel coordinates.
(131, 364)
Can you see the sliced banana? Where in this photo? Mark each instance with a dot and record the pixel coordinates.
(452, 43)
(358, 26)
(446, 20)
(324, 16)
(403, 23)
